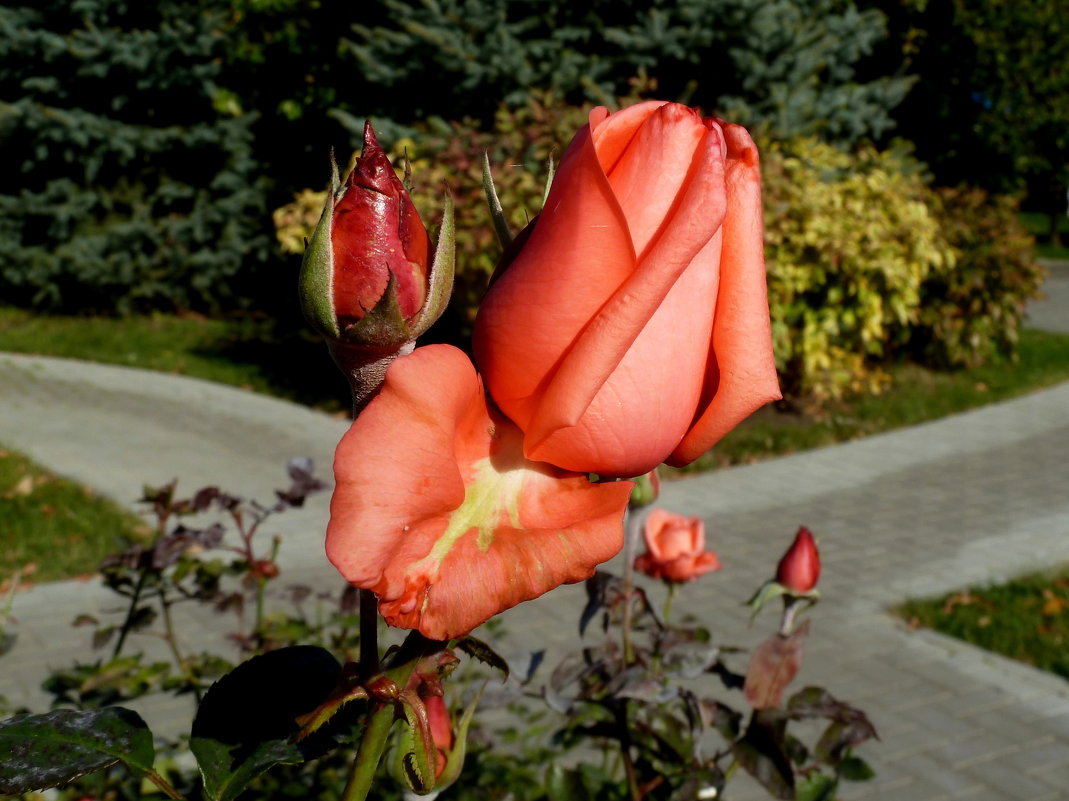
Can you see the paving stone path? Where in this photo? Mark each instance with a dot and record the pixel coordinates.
(977, 497)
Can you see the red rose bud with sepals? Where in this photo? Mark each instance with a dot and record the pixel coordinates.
(799, 569)
(377, 235)
(367, 283)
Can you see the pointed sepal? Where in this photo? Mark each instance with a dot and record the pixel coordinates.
(316, 283)
(497, 214)
(440, 278)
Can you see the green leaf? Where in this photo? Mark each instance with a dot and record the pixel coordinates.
(227, 773)
(247, 720)
(563, 784)
(41, 751)
(854, 769)
(816, 787)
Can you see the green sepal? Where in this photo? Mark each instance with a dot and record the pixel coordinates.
(551, 170)
(322, 714)
(440, 277)
(497, 214)
(316, 283)
(454, 762)
(415, 756)
(765, 593)
(773, 589)
(383, 325)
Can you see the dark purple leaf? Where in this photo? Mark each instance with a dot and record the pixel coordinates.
(304, 483)
(760, 752)
(204, 497)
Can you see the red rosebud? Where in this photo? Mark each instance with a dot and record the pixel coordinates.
(799, 569)
(441, 730)
(676, 548)
(366, 282)
(376, 235)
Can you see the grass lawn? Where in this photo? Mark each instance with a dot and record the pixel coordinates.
(243, 354)
(1026, 619)
(1038, 225)
(52, 528)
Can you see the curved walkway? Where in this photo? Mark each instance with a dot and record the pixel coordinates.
(972, 498)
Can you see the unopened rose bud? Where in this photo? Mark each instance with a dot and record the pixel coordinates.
(647, 490)
(265, 568)
(368, 284)
(799, 569)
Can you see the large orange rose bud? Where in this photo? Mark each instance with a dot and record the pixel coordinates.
(367, 283)
(799, 569)
(632, 327)
(675, 548)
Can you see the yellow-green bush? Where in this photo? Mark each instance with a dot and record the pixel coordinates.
(972, 313)
(849, 238)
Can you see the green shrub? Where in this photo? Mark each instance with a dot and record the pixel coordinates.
(971, 313)
(125, 188)
(793, 66)
(849, 240)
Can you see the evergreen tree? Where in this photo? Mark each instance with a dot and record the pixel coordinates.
(790, 65)
(127, 184)
(991, 107)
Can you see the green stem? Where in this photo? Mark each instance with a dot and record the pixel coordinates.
(368, 755)
(172, 642)
(672, 587)
(373, 743)
(164, 785)
(625, 752)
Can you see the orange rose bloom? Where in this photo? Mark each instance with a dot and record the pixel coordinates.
(632, 326)
(437, 511)
(675, 548)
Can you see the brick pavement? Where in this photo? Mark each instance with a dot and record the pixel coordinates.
(972, 498)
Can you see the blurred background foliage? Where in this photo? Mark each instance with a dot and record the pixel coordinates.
(151, 149)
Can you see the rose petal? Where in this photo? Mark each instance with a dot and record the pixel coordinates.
(532, 314)
(612, 133)
(741, 373)
(437, 511)
(632, 424)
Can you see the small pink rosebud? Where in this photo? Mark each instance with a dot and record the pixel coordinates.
(675, 548)
(647, 490)
(799, 569)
